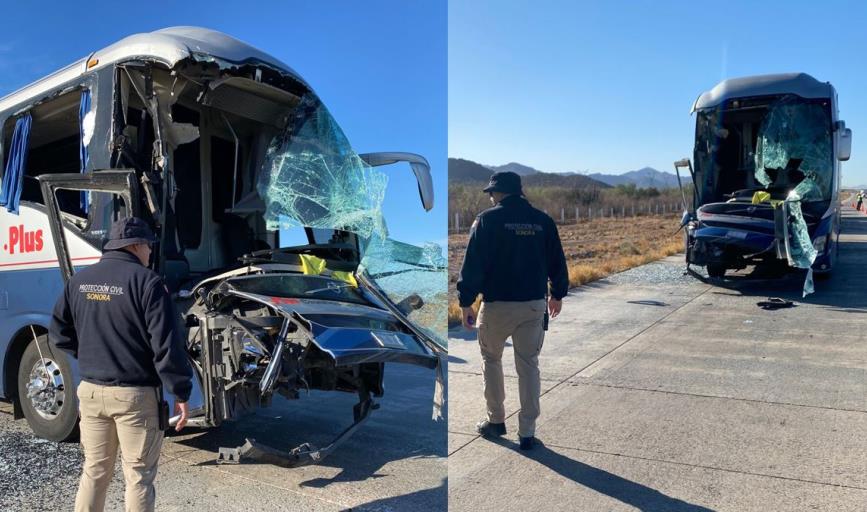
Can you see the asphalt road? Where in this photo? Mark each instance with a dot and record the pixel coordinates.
(663, 392)
(396, 461)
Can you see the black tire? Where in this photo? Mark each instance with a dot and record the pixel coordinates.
(716, 270)
(64, 425)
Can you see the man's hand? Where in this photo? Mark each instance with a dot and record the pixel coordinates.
(554, 307)
(468, 317)
(182, 408)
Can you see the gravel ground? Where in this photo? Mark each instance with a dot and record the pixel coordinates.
(43, 474)
(656, 273)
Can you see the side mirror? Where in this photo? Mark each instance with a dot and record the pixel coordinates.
(844, 141)
(419, 166)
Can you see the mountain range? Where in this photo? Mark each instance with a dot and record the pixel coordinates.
(515, 167)
(646, 177)
(466, 171)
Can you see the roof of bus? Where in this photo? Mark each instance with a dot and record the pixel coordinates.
(800, 84)
(168, 45)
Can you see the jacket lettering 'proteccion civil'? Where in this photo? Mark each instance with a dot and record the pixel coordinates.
(513, 251)
(118, 320)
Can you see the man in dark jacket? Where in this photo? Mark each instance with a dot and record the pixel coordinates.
(117, 319)
(513, 252)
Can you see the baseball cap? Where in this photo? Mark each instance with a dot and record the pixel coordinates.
(129, 231)
(506, 182)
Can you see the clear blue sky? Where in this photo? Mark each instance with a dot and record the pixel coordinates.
(607, 86)
(379, 66)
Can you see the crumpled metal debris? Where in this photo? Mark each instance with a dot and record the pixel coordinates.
(775, 303)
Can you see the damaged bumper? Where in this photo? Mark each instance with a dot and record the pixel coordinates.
(255, 344)
(302, 455)
(733, 235)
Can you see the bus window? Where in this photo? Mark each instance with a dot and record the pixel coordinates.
(105, 208)
(54, 148)
(188, 177)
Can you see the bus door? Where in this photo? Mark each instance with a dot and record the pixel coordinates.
(124, 201)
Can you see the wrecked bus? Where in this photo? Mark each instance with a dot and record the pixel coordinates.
(270, 232)
(767, 175)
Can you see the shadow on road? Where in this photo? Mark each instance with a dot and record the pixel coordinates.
(456, 360)
(427, 499)
(459, 333)
(631, 493)
(401, 429)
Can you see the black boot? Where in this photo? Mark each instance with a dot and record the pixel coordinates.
(488, 429)
(527, 443)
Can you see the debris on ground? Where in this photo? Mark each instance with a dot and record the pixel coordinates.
(775, 303)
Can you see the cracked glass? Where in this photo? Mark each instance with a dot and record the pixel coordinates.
(401, 271)
(312, 177)
(794, 148)
(794, 145)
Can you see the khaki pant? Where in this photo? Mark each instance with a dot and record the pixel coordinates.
(124, 417)
(523, 322)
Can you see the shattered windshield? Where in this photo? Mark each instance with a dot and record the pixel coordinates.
(794, 149)
(415, 279)
(761, 144)
(312, 177)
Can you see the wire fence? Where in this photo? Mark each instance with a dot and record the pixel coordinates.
(574, 214)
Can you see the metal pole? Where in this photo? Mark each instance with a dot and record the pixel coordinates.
(563, 215)
(577, 215)
(272, 371)
(235, 173)
(44, 365)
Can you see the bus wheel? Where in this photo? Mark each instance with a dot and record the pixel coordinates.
(46, 392)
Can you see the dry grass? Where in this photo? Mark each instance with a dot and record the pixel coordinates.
(594, 249)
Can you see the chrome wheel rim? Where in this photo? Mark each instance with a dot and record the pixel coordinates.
(45, 389)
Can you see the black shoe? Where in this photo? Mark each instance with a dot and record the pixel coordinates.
(527, 443)
(488, 429)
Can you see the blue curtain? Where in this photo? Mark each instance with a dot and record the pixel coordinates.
(13, 177)
(83, 109)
